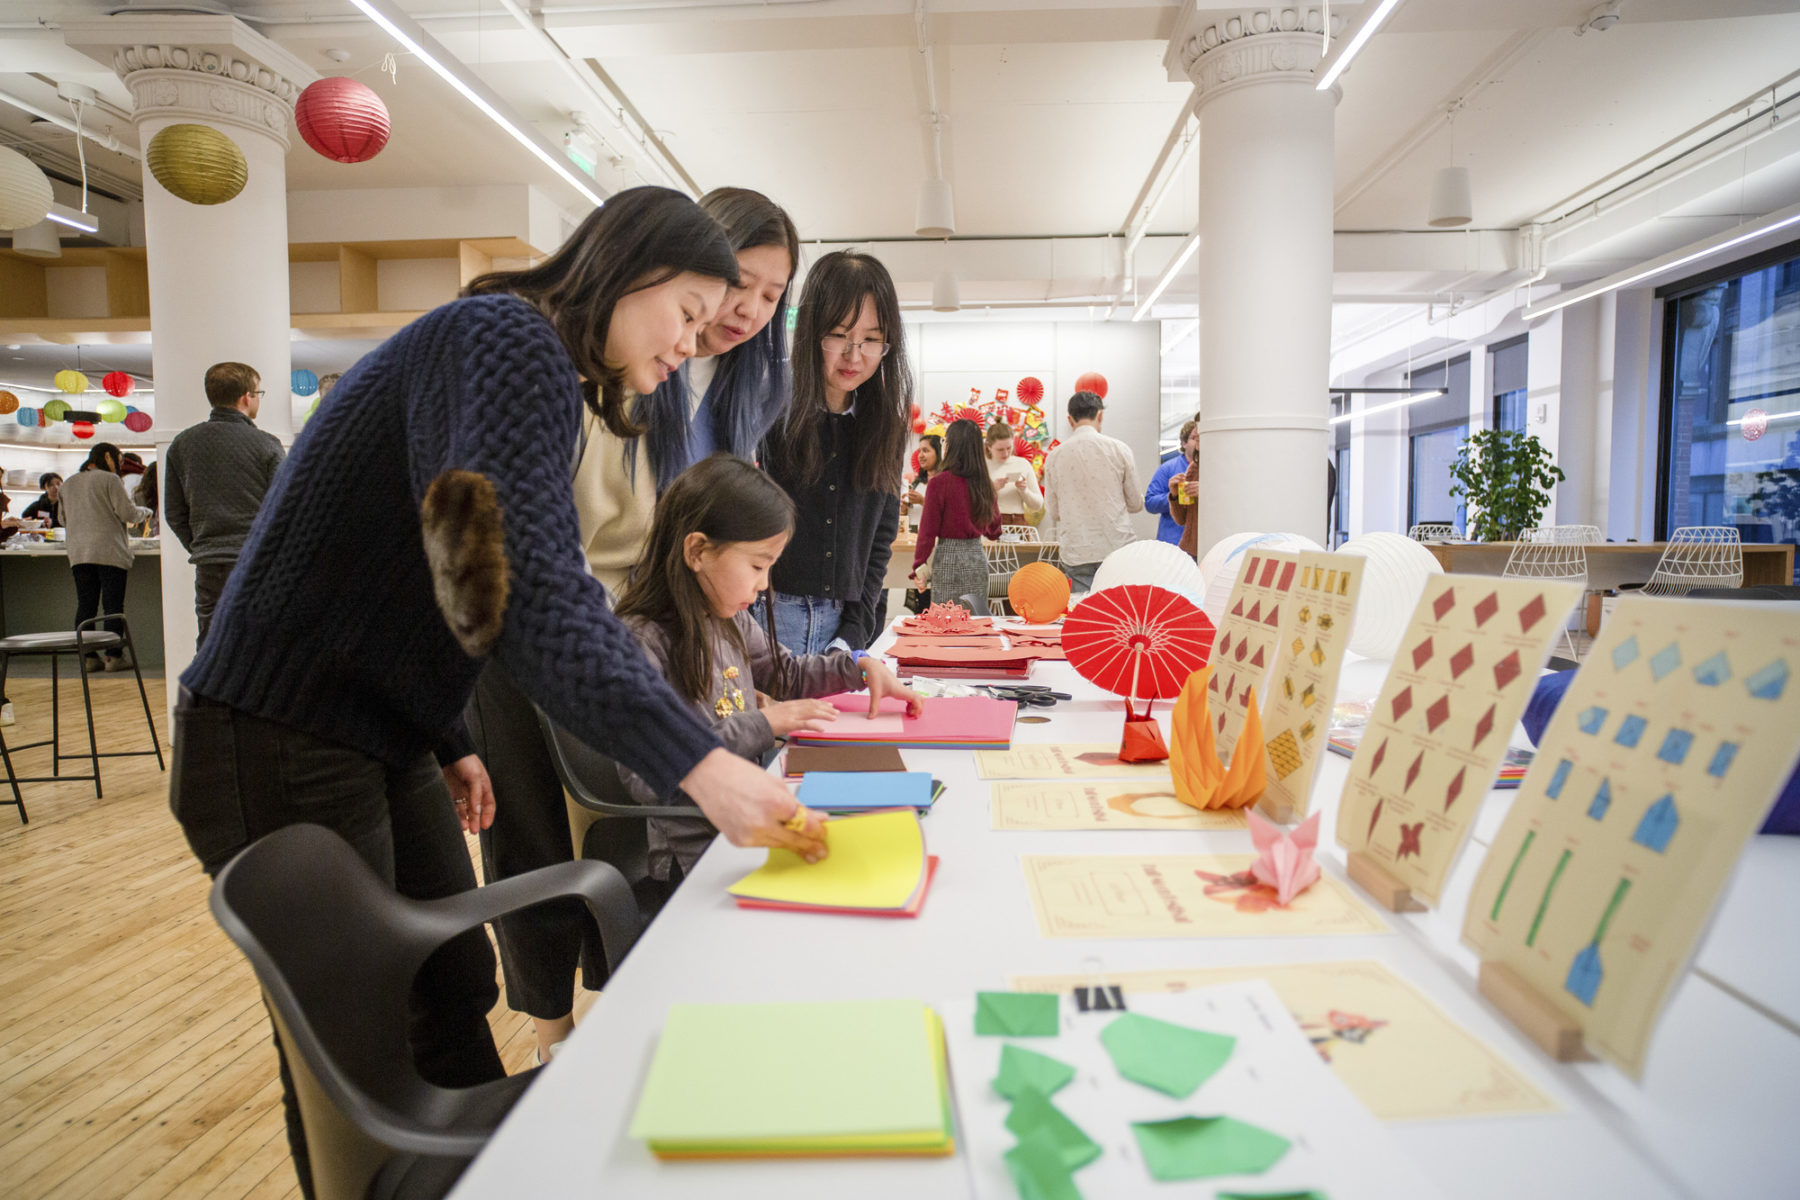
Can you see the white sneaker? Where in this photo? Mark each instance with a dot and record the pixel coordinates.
(6, 714)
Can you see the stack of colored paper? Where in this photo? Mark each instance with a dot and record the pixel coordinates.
(730, 1081)
(860, 791)
(877, 868)
(948, 722)
(799, 760)
(974, 658)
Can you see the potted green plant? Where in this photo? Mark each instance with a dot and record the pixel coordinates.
(1505, 477)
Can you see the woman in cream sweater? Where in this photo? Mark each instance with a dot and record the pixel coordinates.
(1015, 483)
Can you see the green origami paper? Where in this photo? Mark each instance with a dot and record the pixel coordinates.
(1016, 1014)
(1021, 1068)
(1033, 1113)
(1202, 1147)
(1038, 1170)
(1173, 1059)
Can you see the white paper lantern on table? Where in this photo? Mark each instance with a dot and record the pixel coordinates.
(1228, 555)
(24, 191)
(1156, 563)
(1395, 579)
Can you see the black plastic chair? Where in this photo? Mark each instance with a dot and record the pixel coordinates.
(86, 638)
(336, 951)
(605, 823)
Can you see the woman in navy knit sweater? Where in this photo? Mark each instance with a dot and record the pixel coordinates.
(424, 523)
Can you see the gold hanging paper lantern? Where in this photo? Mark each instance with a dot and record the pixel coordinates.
(71, 383)
(197, 163)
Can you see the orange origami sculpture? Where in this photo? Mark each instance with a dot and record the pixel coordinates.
(1201, 781)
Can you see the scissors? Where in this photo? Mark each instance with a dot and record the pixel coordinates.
(1028, 693)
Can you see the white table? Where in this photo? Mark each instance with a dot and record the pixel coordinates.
(1709, 1118)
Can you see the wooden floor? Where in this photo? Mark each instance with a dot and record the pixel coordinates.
(135, 1056)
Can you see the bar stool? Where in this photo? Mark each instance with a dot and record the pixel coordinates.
(83, 640)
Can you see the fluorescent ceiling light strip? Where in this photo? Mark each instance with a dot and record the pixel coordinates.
(1780, 219)
(1168, 276)
(1770, 418)
(1358, 42)
(445, 72)
(74, 218)
(1402, 402)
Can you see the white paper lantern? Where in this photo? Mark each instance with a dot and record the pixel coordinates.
(1395, 579)
(1227, 556)
(1156, 563)
(24, 191)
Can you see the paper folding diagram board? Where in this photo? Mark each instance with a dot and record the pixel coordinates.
(1100, 804)
(1402, 1055)
(1673, 740)
(1066, 760)
(1181, 896)
(1249, 636)
(1270, 1080)
(1296, 711)
(1466, 668)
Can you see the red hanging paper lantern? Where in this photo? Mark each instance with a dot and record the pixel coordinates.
(1030, 390)
(918, 426)
(81, 429)
(342, 119)
(137, 422)
(1092, 381)
(118, 383)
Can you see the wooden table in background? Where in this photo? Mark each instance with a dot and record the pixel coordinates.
(1613, 563)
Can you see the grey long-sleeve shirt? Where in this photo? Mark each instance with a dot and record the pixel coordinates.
(215, 475)
(97, 510)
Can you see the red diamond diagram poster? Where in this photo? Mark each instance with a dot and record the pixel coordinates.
(1255, 617)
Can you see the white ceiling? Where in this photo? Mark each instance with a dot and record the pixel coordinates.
(1055, 113)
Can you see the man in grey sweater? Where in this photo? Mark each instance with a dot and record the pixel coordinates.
(215, 475)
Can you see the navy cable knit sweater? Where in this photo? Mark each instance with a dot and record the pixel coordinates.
(329, 623)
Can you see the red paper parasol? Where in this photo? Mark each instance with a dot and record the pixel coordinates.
(1137, 640)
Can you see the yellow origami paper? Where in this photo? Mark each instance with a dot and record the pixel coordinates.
(1201, 781)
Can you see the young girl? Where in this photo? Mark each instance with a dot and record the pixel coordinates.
(959, 512)
(839, 454)
(1015, 483)
(718, 531)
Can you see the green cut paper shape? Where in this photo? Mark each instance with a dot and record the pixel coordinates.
(1202, 1147)
(1037, 1169)
(1021, 1068)
(1173, 1059)
(1032, 1113)
(1016, 1014)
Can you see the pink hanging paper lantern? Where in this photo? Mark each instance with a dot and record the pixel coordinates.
(1093, 382)
(138, 422)
(342, 119)
(118, 383)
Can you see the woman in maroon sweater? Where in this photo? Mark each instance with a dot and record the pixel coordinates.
(959, 511)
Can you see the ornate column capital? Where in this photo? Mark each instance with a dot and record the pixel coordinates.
(1220, 49)
(213, 70)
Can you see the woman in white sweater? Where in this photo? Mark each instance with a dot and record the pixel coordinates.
(98, 511)
(1015, 483)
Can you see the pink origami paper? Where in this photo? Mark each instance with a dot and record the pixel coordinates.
(1284, 860)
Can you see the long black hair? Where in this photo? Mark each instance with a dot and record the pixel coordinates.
(835, 288)
(642, 237)
(727, 500)
(752, 386)
(965, 455)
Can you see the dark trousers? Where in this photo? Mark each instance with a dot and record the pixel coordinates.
(541, 946)
(237, 777)
(209, 581)
(100, 589)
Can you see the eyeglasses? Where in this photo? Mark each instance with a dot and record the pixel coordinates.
(258, 393)
(836, 343)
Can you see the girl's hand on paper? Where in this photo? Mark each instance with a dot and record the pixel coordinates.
(884, 683)
(790, 716)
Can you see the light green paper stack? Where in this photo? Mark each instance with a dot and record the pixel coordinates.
(864, 1077)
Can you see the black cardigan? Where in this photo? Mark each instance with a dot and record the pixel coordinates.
(843, 536)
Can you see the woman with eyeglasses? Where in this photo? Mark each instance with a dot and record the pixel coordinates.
(839, 455)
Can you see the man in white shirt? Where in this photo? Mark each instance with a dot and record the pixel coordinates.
(1090, 491)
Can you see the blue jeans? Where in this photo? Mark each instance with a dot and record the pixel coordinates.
(804, 624)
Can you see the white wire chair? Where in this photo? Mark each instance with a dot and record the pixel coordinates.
(1431, 532)
(1565, 535)
(1540, 554)
(1698, 556)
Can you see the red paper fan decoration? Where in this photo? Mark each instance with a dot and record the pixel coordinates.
(342, 119)
(1137, 640)
(1030, 390)
(1092, 381)
(118, 383)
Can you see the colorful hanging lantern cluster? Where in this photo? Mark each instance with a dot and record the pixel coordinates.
(197, 163)
(342, 120)
(82, 422)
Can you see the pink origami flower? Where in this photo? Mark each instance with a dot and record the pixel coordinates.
(1284, 860)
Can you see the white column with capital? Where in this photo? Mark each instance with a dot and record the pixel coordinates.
(218, 273)
(1265, 193)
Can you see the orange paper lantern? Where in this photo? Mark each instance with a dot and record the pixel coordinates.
(1092, 381)
(1038, 592)
(9, 403)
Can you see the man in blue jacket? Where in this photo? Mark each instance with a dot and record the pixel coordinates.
(1156, 496)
